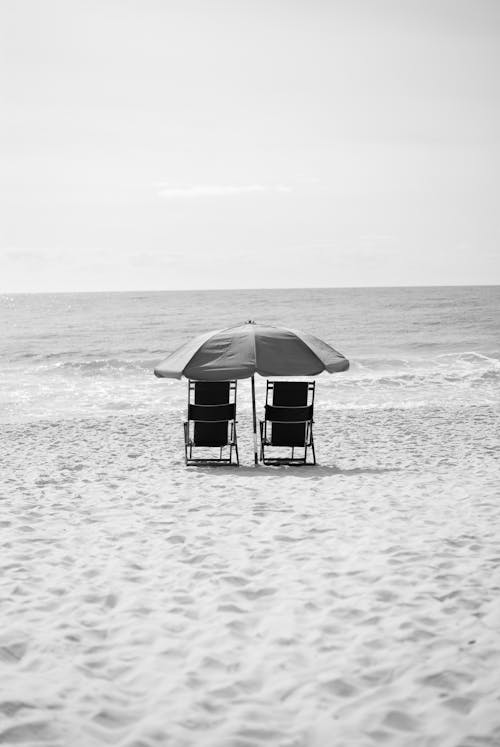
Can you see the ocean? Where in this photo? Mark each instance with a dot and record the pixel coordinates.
(80, 355)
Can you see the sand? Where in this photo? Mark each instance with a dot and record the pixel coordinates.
(356, 603)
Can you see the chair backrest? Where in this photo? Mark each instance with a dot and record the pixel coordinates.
(291, 409)
(211, 411)
(211, 392)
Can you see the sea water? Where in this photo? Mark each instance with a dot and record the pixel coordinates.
(80, 355)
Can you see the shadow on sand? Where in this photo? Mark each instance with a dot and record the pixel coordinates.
(302, 470)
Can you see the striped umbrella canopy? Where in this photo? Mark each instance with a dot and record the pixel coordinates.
(241, 351)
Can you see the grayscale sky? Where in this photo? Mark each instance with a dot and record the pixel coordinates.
(156, 144)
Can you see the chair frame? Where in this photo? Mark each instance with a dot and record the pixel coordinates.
(232, 442)
(266, 438)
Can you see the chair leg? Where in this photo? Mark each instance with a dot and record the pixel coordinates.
(186, 441)
(234, 443)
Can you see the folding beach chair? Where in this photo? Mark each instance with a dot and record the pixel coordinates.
(211, 422)
(288, 421)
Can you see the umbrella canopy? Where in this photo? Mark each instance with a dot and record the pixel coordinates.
(241, 351)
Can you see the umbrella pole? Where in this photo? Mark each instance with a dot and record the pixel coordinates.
(255, 457)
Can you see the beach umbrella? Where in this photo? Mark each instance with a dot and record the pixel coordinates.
(240, 352)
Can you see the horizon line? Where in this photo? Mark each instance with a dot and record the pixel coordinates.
(267, 288)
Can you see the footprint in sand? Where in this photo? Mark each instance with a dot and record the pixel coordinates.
(340, 687)
(111, 600)
(13, 652)
(235, 580)
(36, 731)
(400, 721)
(230, 608)
(176, 539)
(114, 719)
(252, 595)
(460, 705)
(11, 707)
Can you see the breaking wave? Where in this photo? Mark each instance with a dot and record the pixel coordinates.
(450, 378)
(98, 366)
(448, 366)
(412, 371)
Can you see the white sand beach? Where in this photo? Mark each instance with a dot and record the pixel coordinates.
(348, 605)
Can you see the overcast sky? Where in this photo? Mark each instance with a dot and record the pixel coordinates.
(156, 144)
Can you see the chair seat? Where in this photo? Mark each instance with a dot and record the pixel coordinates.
(289, 438)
